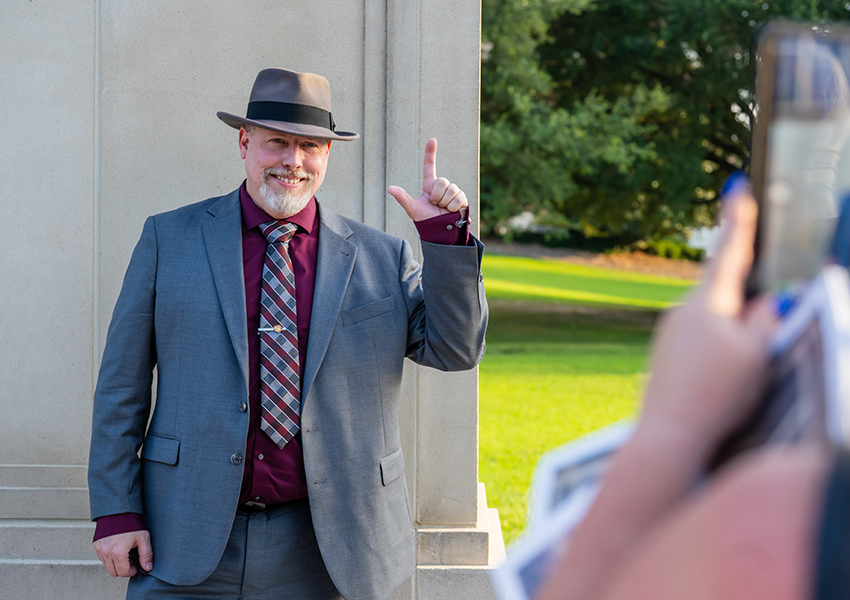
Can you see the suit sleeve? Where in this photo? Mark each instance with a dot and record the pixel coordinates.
(122, 398)
(446, 305)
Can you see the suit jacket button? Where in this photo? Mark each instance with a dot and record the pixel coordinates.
(236, 459)
(243, 407)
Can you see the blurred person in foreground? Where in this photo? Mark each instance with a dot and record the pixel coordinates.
(773, 523)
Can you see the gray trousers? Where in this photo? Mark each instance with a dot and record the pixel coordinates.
(271, 555)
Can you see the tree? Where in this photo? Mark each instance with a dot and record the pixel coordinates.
(533, 151)
(663, 86)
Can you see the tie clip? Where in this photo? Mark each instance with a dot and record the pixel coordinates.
(276, 329)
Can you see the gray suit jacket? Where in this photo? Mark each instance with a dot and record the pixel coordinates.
(182, 310)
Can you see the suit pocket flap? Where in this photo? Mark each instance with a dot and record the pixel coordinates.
(161, 449)
(368, 311)
(392, 467)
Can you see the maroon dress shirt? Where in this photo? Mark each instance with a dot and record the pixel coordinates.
(275, 475)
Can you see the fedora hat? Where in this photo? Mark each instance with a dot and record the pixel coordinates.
(290, 102)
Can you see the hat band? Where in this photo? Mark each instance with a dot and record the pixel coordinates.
(290, 113)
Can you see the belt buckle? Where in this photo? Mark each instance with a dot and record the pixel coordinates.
(255, 505)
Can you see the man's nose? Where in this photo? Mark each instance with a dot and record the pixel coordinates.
(292, 157)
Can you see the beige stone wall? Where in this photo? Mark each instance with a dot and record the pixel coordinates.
(108, 115)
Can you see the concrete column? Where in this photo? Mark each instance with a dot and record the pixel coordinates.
(47, 348)
(109, 116)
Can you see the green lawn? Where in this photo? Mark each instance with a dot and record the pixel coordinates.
(566, 354)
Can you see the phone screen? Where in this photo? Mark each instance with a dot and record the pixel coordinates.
(801, 155)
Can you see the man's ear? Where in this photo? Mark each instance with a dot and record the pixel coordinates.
(243, 142)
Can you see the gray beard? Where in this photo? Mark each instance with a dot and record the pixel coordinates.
(286, 202)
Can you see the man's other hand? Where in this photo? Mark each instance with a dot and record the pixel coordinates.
(439, 196)
(114, 552)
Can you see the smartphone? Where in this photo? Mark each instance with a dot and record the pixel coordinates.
(800, 166)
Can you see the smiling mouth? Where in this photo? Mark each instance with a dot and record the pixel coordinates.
(289, 180)
(288, 177)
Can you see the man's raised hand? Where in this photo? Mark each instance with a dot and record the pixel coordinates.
(439, 196)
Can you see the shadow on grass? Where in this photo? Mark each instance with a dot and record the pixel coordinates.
(559, 338)
(548, 281)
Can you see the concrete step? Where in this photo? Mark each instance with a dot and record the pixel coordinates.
(453, 583)
(43, 492)
(458, 545)
(44, 503)
(43, 476)
(58, 580)
(47, 558)
(463, 579)
(46, 539)
(452, 546)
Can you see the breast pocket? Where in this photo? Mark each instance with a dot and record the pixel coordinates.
(368, 311)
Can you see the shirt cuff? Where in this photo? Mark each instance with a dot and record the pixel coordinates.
(120, 523)
(450, 229)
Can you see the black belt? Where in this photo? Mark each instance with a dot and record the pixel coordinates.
(256, 507)
(252, 507)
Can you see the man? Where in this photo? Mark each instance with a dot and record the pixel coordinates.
(272, 464)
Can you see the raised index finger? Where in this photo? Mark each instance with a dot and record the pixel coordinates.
(728, 271)
(429, 168)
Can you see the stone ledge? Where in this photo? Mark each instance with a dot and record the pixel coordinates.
(461, 580)
(46, 539)
(458, 545)
(44, 503)
(39, 557)
(43, 476)
(68, 580)
(461, 546)
(454, 583)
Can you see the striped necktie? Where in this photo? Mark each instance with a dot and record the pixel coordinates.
(280, 383)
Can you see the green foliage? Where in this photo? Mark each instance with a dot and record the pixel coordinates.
(623, 116)
(532, 152)
(671, 248)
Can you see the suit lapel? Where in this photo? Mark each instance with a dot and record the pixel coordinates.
(223, 240)
(334, 265)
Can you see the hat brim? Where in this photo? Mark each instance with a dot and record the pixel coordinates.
(300, 129)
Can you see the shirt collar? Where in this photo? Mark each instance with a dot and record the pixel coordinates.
(253, 215)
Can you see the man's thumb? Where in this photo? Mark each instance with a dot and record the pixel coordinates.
(403, 198)
(145, 553)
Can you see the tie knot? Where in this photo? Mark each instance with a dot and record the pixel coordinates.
(278, 231)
